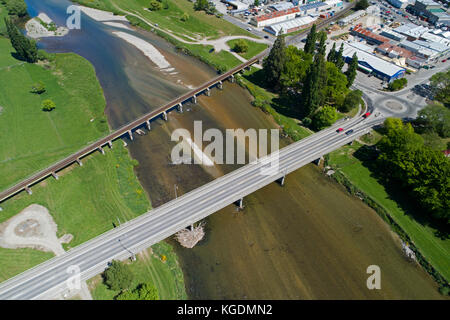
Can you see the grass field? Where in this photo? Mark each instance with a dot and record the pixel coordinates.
(436, 250)
(199, 23)
(31, 139)
(149, 267)
(253, 48)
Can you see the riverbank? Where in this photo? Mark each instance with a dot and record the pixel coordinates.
(432, 251)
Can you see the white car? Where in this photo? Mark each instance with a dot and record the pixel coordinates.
(249, 29)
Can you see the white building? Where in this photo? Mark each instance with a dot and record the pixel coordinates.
(354, 16)
(290, 25)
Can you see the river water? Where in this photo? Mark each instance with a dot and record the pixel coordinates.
(306, 240)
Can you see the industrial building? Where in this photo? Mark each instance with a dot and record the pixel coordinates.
(393, 51)
(392, 35)
(290, 25)
(353, 17)
(399, 3)
(371, 63)
(430, 11)
(369, 36)
(313, 7)
(275, 17)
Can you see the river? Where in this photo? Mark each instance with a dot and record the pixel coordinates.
(306, 240)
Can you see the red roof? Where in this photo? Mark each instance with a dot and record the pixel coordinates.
(369, 34)
(446, 153)
(277, 14)
(388, 47)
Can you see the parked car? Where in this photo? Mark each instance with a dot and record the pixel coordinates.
(349, 132)
(339, 130)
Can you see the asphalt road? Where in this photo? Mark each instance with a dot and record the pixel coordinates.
(50, 278)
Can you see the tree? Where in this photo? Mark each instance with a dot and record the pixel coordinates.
(435, 117)
(352, 100)
(48, 105)
(440, 83)
(201, 5)
(339, 58)
(145, 291)
(310, 91)
(332, 54)
(118, 276)
(310, 43)
(351, 71)
(397, 84)
(322, 43)
(155, 5)
(38, 87)
(240, 46)
(274, 63)
(16, 8)
(256, 3)
(26, 49)
(362, 5)
(324, 117)
(295, 67)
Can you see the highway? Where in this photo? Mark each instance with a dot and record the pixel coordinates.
(48, 279)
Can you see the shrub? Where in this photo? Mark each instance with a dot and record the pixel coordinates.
(48, 105)
(397, 84)
(240, 46)
(38, 87)
(184, 17)
(155, 5)
(118, 276)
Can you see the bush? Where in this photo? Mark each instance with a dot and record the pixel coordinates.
(240, 46)
(16, 8)
(351, 101)
(155, 5)
(48, 105)
(324, 117)
(38, 87)
(397, 84)
(118, 276)
(184, 17)
(306, 121)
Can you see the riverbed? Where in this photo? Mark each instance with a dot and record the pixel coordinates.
(306, 240)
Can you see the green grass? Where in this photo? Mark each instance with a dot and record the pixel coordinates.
(167, 276)
(435, 250)
(253, 48)
(31, 139)
(198, 24)
(15, 261)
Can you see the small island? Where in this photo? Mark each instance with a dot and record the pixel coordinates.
(42, 26)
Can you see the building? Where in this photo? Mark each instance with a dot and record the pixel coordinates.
(275, 17)
(369, 36)
(371, 63)
(290, 25)
(282, 6)
(338, 4)
(392, 35)
(418, 50)
(237, 5)
(393, 51)
(411, 31)
(431, 11)
(313, 7)
(353, 17)
(399, 3)
(416, 62)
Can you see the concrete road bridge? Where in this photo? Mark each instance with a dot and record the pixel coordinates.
(53, 277)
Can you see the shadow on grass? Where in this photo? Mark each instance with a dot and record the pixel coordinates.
(368, 155)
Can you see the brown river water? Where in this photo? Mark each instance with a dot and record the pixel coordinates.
(306, 240)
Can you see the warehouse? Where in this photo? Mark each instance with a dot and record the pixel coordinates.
(314, 7)
(290, 25)
(370, 63)
(369, 36)
(275, 17)
(354, 16)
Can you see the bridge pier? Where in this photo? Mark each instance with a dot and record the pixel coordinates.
(101, 150)
(110, 144)
(130, 134)
(317, 161)
(55, 175)
(79, 162)
(148, 124)
(194, 99)
(232, 78)
(180, 108)
(164, 115)
(220, 85)
(208, 92)
(240, 203)
(281, 181)
(28, 190)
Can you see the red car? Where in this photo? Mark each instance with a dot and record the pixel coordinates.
(444, 60)
(365, 115)
(339, 130)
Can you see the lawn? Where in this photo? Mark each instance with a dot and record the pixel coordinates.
(149, 267)
(253, 48)
(31, 139)
(436, 250)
